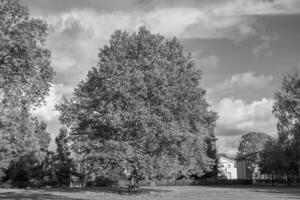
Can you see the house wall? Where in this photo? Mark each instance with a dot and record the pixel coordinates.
(247, 169)
(227, 167)
(241, 169)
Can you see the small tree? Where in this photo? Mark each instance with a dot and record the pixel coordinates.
(41, 133)
(63, 164)
(271, 159)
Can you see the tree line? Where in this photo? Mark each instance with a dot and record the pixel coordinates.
(140, 113)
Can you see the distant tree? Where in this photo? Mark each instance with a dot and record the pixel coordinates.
(142, 102)
(278, 160)
(63, 163)
(271, 159)
(41, 133)
(252, 142)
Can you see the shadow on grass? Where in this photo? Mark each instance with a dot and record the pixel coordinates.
(280, 191)
(31, 196)
(114, 190)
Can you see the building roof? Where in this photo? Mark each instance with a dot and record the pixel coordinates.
(223, 155)
(247, 156)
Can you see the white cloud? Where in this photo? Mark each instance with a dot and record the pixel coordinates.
(258, 7)
(235, 113)
(209, 62)
(236, 117)
(245, 85)
(245, 80)
(171, 21)
(228, 145)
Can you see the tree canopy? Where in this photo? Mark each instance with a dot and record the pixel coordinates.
(25, 71)
(142, 103)
(252, 142)
(287, 105)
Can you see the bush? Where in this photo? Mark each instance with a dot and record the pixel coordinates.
(102, 181)
(224, 182)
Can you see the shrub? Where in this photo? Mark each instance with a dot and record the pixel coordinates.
(103, 181)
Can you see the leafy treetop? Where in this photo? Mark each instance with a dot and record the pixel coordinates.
(25, 71)
(252, 142)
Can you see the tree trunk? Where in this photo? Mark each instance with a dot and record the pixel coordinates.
(272, 179)
(133, 186)
(298, 175)
(83, 178)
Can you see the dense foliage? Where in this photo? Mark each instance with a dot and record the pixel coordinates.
(252, 142)
(25, 71)
(25, 79)
(141, 109)
(287, 106)
(63, 164)
(277, 160)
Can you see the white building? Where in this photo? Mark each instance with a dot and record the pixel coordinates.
(226, 167)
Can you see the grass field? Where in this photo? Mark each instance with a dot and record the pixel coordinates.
(153, 193)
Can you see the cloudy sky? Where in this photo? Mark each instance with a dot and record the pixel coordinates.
(244, 48)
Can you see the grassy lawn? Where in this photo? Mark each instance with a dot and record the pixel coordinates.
(147, 193)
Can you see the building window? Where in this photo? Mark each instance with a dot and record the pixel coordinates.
(228, 165)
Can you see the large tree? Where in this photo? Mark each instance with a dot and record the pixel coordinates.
(287, 111)
(252, 142)
(25, 79)
(143, 102)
